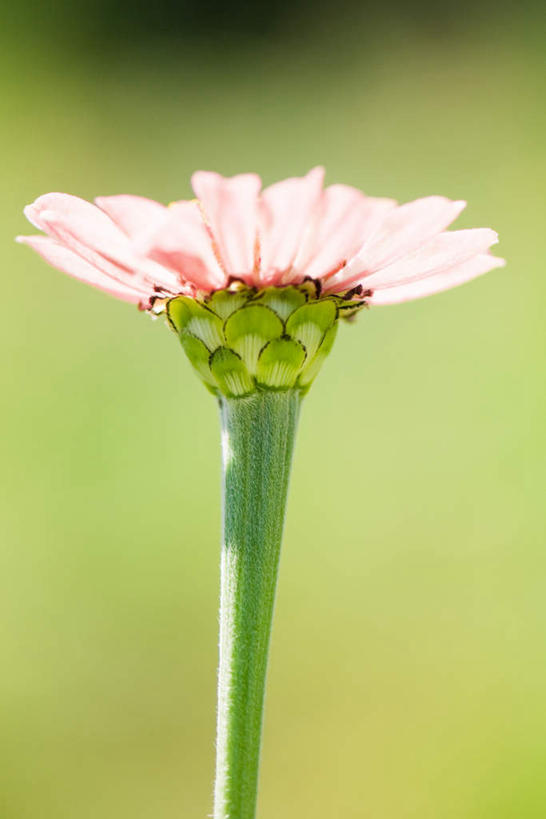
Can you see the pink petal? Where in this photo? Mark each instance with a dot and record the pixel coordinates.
(90, 233)
(135, 215)
(451, 277)
(286, 211)
(183, 244)
(96, 228)
(129, 270)
(69, 262)
(347, 219)
(403, 230)
(444, 251)
(230, 207)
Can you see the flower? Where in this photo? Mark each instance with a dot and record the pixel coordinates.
(254, 283)
(295, 230)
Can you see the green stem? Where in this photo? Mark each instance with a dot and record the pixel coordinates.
(258, 435)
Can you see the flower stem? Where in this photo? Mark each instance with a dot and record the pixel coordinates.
(258, 435)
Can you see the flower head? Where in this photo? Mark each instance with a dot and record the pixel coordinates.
(236, 246)
(135, 248)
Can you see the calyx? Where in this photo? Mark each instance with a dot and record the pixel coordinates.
(242, 340)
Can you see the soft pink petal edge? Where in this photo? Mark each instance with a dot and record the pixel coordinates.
(402, 231)
(90, 233)
(107, 235)
(65, 260)
(447, 279)
(446, 250)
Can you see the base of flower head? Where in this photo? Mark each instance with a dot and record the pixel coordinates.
(242, 340)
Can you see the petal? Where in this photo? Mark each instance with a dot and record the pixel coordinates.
(182, 243)
(230, 208)
(69, 262)
(403, 230)
(129, 269)
(94, 228)
(90, 233)
(287, 210)
(347, 219)
(135, 215)
(451, 277)
(444, 251)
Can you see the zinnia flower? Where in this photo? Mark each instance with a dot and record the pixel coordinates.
(136, 248)
(296, 256)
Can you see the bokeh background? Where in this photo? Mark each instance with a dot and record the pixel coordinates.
(408, 669)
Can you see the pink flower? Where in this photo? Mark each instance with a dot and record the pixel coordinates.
(137, 249)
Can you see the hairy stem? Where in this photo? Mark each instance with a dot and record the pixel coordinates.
(258, 435)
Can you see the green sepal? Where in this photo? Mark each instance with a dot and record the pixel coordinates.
(311, 368)
(282, 300)
(190, 316)
(309, 323)
(199, 357)
(230, 373)
(249, 329)
(226, 302)
(279, 363)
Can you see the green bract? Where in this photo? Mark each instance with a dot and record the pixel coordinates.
(242, 340)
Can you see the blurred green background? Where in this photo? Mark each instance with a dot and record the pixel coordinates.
(408, 668)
